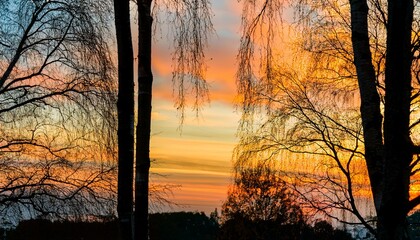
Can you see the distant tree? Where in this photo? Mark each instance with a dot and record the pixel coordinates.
(260, 206)
(56, 111)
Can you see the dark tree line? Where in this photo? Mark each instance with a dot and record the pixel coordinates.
(177, 225)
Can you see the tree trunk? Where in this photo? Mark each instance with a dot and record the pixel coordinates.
(125, 107)
(392, 213)
(370, 101)
(388, 163)
(145, 80)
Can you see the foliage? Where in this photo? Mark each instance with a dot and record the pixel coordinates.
(260, 194)
(260, 206)
(190, 26)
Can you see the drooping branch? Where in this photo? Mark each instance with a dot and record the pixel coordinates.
(190, 24)
(57, 116)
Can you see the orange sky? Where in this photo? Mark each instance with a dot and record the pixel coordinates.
(199, 157)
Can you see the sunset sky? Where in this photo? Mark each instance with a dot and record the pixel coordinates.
(198, 158)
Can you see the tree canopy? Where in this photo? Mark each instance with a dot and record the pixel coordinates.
(259, 205)
(342, 100)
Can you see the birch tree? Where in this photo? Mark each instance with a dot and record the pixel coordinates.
(383, 50)
(192, 24)
(388, 144)
(125, 108)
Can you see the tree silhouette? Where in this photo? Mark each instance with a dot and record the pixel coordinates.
(144, 118)
(389, 147)
(192, 24)
(125, 117)
(56, 112)
(260, 206)
(383, 37)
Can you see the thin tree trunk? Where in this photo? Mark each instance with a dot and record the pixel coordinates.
(370, 101)
(392, 223)
(145, 80)
(125, 107)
